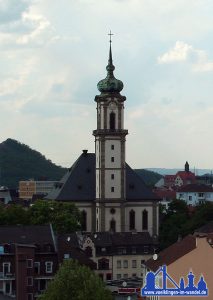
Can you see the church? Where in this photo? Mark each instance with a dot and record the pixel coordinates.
(108, 192)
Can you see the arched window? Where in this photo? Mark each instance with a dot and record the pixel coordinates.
(112, 120)
(145, 219)
(84, 220)
(132, 220)
(113, 225)
(88, 251)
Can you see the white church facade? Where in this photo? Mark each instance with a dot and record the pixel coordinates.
(111, 196)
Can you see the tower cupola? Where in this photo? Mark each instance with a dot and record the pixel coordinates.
(110, 84)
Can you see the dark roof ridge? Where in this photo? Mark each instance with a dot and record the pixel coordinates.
(173, 252)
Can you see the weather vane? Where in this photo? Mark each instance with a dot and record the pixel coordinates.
(110, 34)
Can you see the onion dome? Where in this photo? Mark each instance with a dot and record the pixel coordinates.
(110, 84)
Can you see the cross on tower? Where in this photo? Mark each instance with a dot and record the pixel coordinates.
(110, 34)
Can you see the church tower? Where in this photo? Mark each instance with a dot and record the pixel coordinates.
(110, 137)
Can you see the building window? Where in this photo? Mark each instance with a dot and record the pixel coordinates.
(118, 264)
(66, 256)
(112, 147)
(29, 281)
(118, 276)
(134, 263)
(112, 120)
(112, 211)
(29, 263)
(146, 249)
(84, 220)
(125, 263)
(42, 285)
(37, 267)
(103, 264)
(112, 189)
(49, 266)
(112, 159)
(88, 251)
(121, 250)
(112, 176)
(113, 225)
(125, 275)
(145, 220)
(134, 250)
(6, 268)
(190, 198)
(132, 220)
(134, 275)
(201, 195)
(29, 296)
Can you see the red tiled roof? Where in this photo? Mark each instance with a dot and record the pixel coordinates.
(172, 253)
(186, 175)
(169, 177)
(195, 188)
(165, 193)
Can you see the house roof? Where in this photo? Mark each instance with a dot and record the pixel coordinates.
(78, 184)
(170, 178)
(30, 234)
(69, 244)
(172, 253)
(195, 188)
(205, 229)
(163, 193)
(104, 239)
(186, 175)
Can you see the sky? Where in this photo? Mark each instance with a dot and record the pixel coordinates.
(53, 53)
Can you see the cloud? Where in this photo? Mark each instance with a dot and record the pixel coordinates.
(180, 52)
(183, 52)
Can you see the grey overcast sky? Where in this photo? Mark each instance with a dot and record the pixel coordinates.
(53, 53)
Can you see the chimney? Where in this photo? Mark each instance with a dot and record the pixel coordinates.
(85, 151)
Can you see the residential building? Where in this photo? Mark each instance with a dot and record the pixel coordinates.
(28, 260)
(116, 255)
(194, 194)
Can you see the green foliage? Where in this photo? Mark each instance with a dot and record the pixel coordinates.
(74, 281)
(19, 162)
(149, 177)
(178, 222)
(65, 217)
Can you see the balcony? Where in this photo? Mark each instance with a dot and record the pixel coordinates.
(110, 132)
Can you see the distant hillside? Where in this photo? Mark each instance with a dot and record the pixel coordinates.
(20, 162)
(149, 177)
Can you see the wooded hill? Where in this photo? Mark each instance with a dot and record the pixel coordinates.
(19, 162)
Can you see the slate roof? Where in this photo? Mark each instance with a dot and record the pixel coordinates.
(104, 239)
(172, 253)
(30, 234)
(78, 184)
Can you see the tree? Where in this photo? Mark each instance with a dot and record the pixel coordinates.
(65, 217)
(74, 281)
